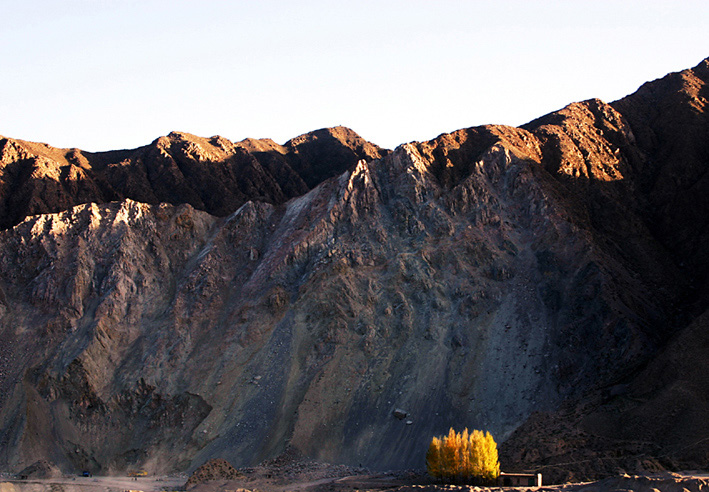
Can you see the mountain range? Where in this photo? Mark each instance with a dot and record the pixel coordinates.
(199, 298)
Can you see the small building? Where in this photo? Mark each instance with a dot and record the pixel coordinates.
(520, 479)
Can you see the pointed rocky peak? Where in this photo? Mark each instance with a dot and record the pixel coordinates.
(15, 149)
(687, 87)
(11, 151)
(215, 148)
(589, 112)
(588, 140)
(322, 154)
(452, 157)
(176, 138)
(254, 145)
(178, 135)
(669, 107)
(345, 136)
(670, 122)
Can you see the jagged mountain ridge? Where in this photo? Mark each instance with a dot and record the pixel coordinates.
(212, 174)
(472, 280)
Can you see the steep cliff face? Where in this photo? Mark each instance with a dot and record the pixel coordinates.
(479, 279)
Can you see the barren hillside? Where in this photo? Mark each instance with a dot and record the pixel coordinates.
(198, 298)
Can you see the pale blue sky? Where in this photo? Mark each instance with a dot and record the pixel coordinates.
(108, 74)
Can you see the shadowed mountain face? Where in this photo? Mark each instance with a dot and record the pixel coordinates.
(656, 418)
(539, 282)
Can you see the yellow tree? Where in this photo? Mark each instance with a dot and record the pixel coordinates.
(433, 458)
(475, 453)
(449, 455)
(466, 456)
(465, 470)
(490, 462)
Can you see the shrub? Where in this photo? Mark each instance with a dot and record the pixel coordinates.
(469, 457)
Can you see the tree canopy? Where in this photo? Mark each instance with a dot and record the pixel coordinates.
(465, 457)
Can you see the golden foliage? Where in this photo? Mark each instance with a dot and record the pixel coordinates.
(464, 457)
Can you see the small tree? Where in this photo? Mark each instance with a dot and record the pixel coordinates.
(466, 457)
(433, 458)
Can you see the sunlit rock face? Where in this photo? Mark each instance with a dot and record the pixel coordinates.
(471, 280)
(211, 174)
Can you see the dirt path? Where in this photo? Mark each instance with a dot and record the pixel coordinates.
(301, 487)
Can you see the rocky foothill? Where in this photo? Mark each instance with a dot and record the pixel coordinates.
(40, 469)
(198, 298)
(214, 469)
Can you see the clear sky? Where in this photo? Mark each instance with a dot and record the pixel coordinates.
(111, 74)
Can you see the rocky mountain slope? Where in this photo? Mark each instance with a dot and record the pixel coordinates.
(197, 298)
(656, 418)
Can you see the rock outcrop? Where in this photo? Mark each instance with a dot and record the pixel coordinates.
(521, 280)
(214, 469)
(41, 469)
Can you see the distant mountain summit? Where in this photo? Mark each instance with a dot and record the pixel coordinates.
(211, 174)
(199, 298)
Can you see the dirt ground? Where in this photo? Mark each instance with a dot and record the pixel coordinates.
(309, 476)
(318, 478)
(412, 482)
(94, 484)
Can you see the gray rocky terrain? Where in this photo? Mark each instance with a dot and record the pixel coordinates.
(536, 282)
